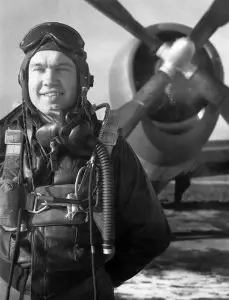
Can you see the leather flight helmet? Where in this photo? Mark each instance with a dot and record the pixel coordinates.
(60, 37)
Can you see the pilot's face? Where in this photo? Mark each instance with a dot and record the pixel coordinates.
(52, 82)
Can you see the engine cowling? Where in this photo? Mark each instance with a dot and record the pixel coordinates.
(174, 134)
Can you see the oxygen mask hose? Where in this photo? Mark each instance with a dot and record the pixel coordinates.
(106, 191)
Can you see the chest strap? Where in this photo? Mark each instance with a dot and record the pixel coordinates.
(51, 205)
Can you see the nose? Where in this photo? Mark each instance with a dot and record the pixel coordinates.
(50, 77)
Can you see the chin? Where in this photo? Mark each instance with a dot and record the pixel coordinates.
(50, 111)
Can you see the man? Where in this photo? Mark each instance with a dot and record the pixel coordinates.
(52, 249)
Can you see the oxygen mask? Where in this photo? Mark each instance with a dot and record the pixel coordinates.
(72, 133)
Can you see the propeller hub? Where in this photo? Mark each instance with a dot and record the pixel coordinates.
(182, 99)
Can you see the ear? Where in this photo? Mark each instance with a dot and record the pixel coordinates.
(90, 80)
(23, 69)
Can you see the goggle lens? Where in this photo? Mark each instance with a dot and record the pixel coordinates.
(63, 34)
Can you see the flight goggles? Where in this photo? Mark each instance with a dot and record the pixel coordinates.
(64, 35)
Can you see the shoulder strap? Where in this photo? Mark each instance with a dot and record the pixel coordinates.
(13, 142)
(5, 123)
(110, 133)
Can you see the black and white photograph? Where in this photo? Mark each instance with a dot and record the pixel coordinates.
(114, 150)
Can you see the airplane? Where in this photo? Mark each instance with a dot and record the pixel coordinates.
(173, 142)
(178, 122)
(161, 168)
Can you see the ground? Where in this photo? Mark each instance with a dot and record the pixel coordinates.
(196, 264)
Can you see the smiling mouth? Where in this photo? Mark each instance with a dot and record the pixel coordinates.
(52, 94)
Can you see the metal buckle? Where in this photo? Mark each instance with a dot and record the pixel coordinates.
(72, 210)
(44, 203)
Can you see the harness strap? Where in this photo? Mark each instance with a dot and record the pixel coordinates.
(36, 203)
(22, 289)
(38, 263)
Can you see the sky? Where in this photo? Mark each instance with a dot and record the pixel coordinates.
(103, 38)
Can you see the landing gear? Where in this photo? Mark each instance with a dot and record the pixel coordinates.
(182, 183)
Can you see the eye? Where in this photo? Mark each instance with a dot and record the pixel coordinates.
(63, 69)
(38, 69)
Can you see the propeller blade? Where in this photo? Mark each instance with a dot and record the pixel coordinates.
(116, 12)
(210, 87)
(132, 112)
(216, 16)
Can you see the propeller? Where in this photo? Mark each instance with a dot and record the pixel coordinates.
(216, 16)
(214, 91)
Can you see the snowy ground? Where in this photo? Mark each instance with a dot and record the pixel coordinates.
(175, 284)
(198, 270)
(191, 269)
